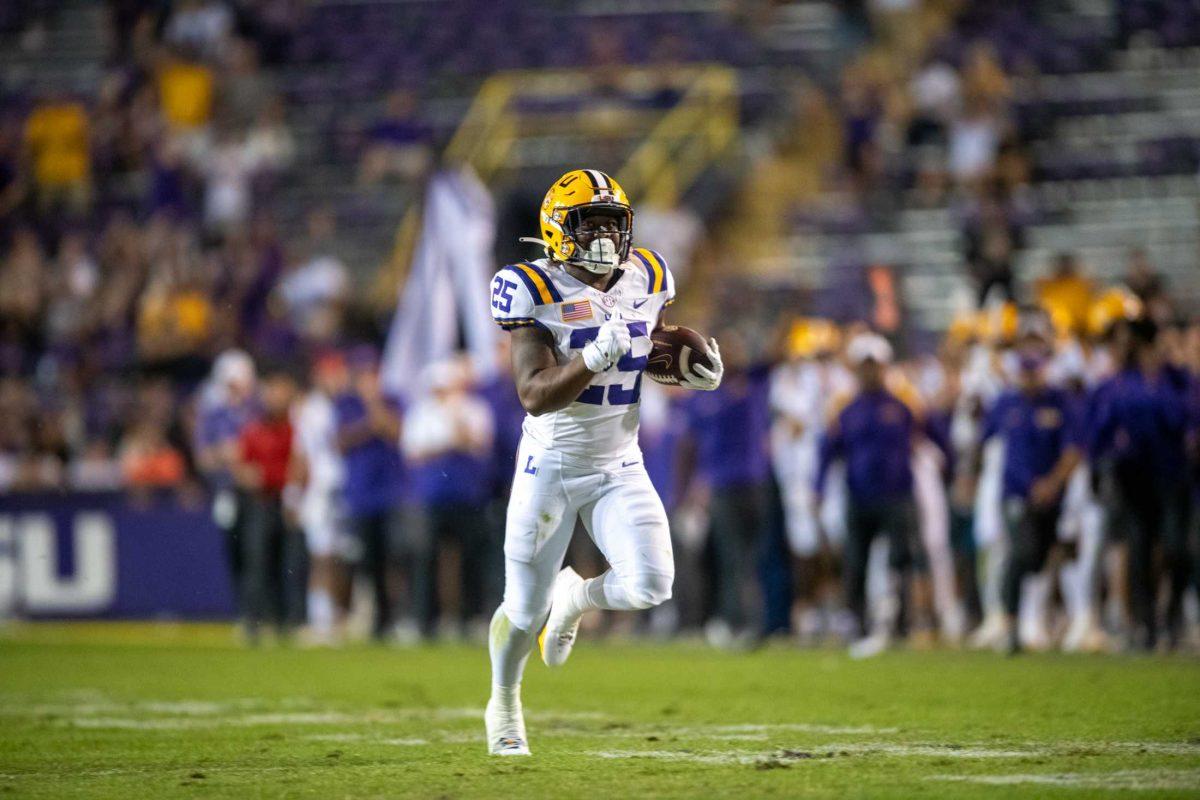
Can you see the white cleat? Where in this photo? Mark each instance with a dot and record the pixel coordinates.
(870, 646)
(558, 637)
(506, 725)
(991, 634)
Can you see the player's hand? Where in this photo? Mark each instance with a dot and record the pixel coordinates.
(703, 378)
(1044, 492)
(612, 342)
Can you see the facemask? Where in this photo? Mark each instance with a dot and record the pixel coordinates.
(601, 256)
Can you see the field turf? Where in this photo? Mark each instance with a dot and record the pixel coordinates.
(111, 711)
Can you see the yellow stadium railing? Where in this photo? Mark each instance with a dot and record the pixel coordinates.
(672, 147)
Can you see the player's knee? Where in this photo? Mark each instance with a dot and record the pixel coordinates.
(650, 589)
(526, 616)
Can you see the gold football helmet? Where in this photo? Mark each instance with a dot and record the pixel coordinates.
(579, 194)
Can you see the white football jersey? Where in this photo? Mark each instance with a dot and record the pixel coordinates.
(316, 438)
(602, 423)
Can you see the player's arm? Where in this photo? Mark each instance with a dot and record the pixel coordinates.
(544, 385)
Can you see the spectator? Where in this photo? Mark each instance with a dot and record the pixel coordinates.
(148, 460)
(974, 142)
(262, 471)
(448, 436)
(74, 283)
(874, 435)
(270, 143)
(227, 170)
(22, 293)
(937, 97)
(398, 145)
(1142, 278)
(368, 433)
(316, 288)
(1149, 286)
(95, 470)
(227, 403)
(185, 91)
(1041, 436)
(175, 314)
(500, 393)
(1066, 293)
(200, 26)
(992, 237)
(727, 446)
(57, 141)
(1143, 425)
(244, 88)
(322, 474)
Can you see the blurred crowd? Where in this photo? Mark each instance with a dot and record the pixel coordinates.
(1027, 486)
(138, 239)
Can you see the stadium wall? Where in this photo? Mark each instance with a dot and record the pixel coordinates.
(107, 556)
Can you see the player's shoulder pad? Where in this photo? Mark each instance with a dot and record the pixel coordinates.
(518, 290)
(658, 274)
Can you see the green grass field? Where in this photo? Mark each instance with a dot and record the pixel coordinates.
(99, 711)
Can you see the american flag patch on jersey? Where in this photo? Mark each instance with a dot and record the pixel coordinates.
(580, 309)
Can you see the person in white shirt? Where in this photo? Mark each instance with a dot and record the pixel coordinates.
(318, 505)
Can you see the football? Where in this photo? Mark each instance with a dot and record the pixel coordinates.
(675, 350)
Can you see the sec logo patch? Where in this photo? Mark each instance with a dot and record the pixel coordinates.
(609, 302)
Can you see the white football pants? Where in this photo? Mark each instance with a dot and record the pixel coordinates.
(620, 510)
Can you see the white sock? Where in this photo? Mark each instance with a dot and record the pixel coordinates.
(603, 592)
(1034, 599)
(320, 609)
(509, 648)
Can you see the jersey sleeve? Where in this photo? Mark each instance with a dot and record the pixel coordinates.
(658, 274)
(519, 293)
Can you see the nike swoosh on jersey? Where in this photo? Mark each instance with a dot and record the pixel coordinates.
(640, 303)
(630, 464)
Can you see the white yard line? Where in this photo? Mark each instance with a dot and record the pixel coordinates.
(1131, 780)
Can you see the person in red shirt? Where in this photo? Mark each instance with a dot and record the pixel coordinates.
(263, 472)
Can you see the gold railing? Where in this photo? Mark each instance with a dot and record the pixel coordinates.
(678, 145)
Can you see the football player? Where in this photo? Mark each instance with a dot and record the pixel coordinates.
(580, 320)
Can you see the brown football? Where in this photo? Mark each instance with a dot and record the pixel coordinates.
(675, 350)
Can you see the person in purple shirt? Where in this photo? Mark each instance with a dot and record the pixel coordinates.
(1042, 436)
(1141, 427)
(368, 433)
(726, 444)
(500, 393)
(448, 435)
(873, 435)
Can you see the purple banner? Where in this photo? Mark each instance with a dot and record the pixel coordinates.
(103, 556)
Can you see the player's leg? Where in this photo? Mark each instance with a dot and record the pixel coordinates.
(860, 532)
(255, 565)
(1033, 532)
(629, 525)
(992, 538)
(1176, 554)
(538, 529)
(1143, 529)
(1086, 633)
(320, 533)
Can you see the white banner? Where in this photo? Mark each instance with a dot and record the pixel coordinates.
(447, 286)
